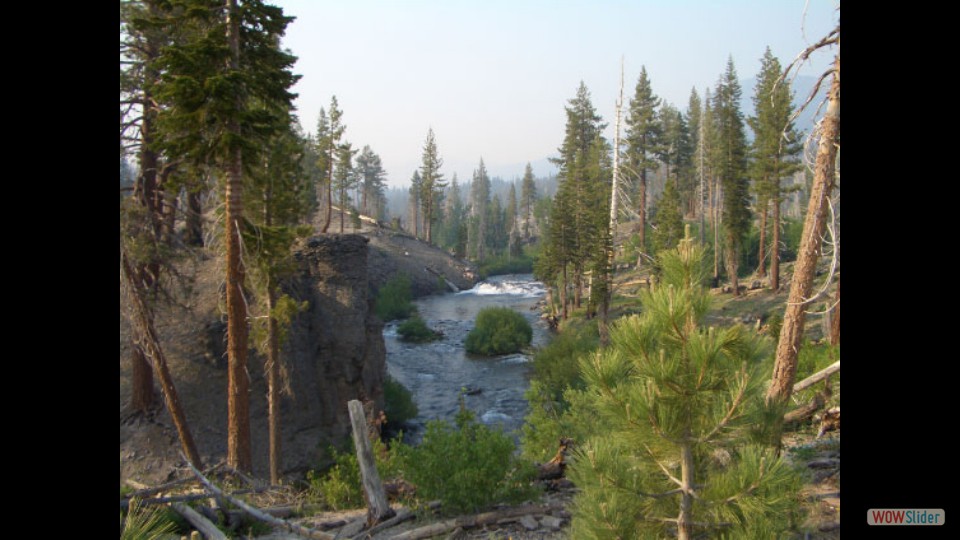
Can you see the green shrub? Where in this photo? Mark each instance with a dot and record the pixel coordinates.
(394, 301)
(468, 466)
(399, 406)
(498, 330)
(339, 487)
(417, 331)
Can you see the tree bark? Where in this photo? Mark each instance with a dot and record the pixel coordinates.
(775, 248)
(762, 255)
(642, 214)
(194, 219)
(835, 319)
(238, 381)
(273, 386)
(378, 509)
(685, 519)
(147, 339)
(791, 334)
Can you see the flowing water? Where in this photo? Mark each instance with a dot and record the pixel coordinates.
(438, 371)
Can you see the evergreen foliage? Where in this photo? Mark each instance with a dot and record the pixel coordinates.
(643, 138)
(528, 198)
(731, 151)
(675, 410)
(668, 219)
(431, 185)
(145, 522)
(498, 330)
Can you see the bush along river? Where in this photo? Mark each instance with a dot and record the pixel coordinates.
(438, 372)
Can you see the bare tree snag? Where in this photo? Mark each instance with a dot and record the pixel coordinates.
(612, 246)
(150, 344)
(202, 524)
(835, 319)
(378, 509)
(791, 334)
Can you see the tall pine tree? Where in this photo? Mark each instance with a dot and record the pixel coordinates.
(773, 155)
(431, 186)
(643, 143)
(732, 170)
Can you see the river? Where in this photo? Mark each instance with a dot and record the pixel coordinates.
(436, 372)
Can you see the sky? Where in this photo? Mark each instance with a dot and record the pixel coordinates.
(492, 77)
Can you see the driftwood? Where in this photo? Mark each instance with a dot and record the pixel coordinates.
(403, 515)
(817, 377)
(378, 509)
(260, 515)
(202, 524)
(476, 520)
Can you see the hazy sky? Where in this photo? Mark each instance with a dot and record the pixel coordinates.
(492, 77)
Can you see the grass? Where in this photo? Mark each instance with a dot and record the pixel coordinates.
(415, 330)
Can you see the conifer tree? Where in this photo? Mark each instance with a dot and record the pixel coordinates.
(528, 197)
(413, 208)
(694, 110)
(344, 178)
(224, 89)
(732, 170)
(668, 219)
(479, 201)
(673, 408)
(431, 186)
(643, 142)
(774, 155)
(329, 132)
(371, 175)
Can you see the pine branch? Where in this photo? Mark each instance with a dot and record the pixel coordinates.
(730, 412)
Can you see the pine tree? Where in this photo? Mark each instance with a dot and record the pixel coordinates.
(694, 111)
(774, 155)
(413, 208)
(479, 201)
(669, 229)
(528, 197)
(372, 179)
(344, 178)
(223, 90)
(677, 154)
(732, 170)
(329, 146)
(643, 143)
(431, 186)
(673, 408)
(579, 179)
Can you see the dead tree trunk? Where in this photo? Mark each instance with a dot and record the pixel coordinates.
(785, 367)
(378, 509)
(775, 248)
(612, 245)
(194, 218)
(835, 319)
(273, 387)
(148, 341)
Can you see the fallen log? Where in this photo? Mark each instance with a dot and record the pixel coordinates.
(185, 498)
(259, 515)
(403, 515)
(475, 520)
(817, 377)
(202, 524)
(805, 411)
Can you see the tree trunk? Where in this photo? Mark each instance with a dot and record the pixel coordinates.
(329, 190)
(762, 265)
(273, 387)
(835, 319)
(141, 398)
(238, 381)
(563, 293)
(577, 287)
(775, 248)
(194, 218)
(642, 213)
(343, 198)
(791, 334)
(147, 339)
(378, 509)
(716, 231)
(685, 519)
(732, 262)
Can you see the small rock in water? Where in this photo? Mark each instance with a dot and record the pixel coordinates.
(529, 523)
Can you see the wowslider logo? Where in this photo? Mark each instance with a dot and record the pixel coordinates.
(899, 516)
